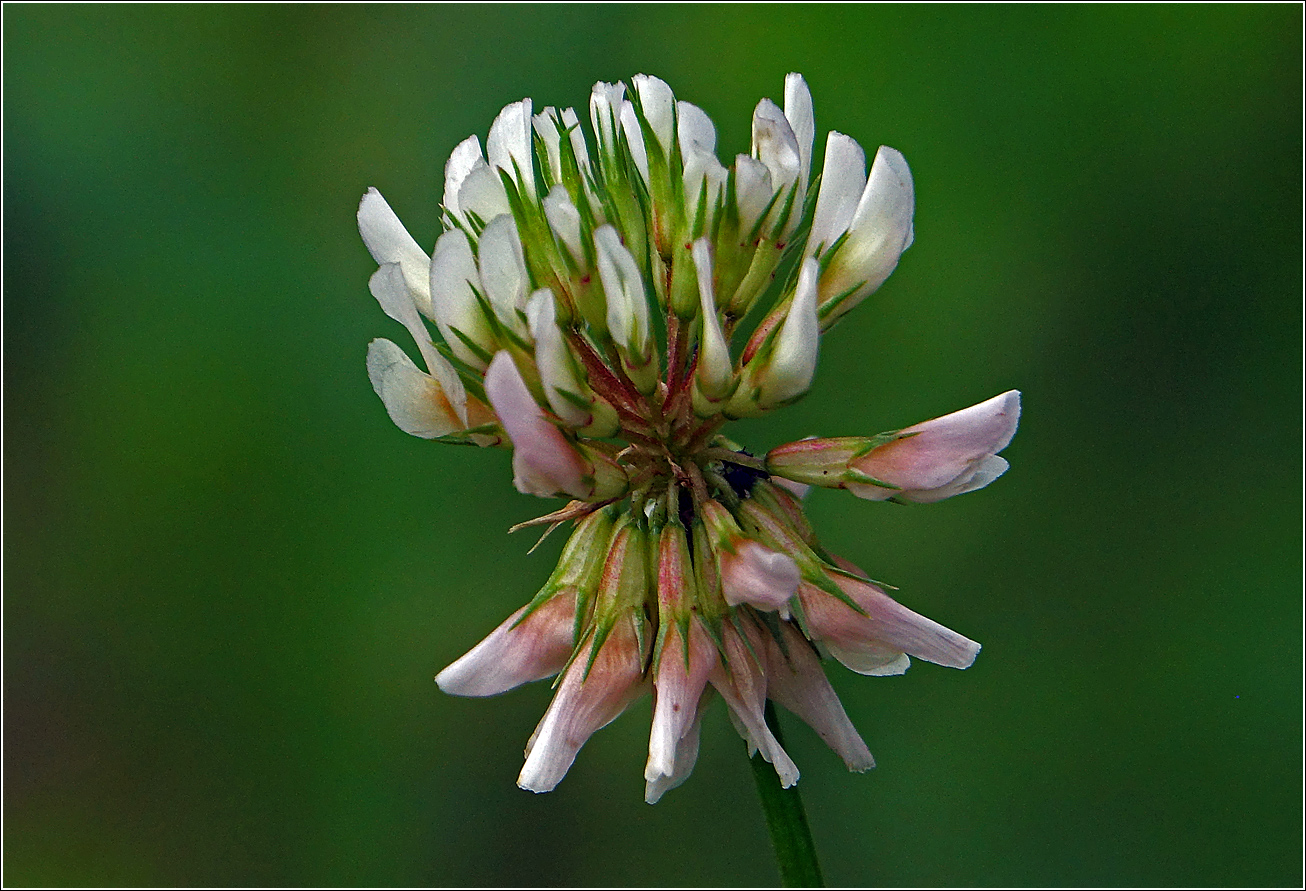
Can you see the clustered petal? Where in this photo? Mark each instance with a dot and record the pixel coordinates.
(589, 297)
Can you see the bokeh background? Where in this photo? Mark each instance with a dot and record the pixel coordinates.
(229, 580)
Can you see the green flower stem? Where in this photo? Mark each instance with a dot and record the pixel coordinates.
(786, 821)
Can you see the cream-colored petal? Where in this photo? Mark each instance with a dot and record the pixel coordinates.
(413, 399)
(388, 286)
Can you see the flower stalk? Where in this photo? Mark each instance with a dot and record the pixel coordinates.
(786, 822)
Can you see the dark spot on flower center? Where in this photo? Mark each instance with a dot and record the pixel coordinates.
(742, 479)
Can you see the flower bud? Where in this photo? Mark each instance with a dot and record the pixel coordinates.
(750, 572)
(929, 462)
(867, 630)
(628, 323)
(543, 461)
(714, 376)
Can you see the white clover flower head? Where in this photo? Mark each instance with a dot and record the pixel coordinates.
(588, 294)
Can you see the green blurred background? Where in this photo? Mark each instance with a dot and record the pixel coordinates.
(229, 579)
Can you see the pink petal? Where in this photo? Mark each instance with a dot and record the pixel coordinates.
(945, 453)
(758, 576)
(543, 462)
(885, 624)
(582, 705)
(677, 690)
(743, 687)
(516, 654)
(799, 684)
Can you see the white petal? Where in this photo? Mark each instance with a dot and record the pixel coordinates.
(509, 142)
(881, 229)
(572, 125)
(685, 758)
(775, 146)
(871, 659)
(694, 128)
(793, 366)
(635, 138)
(843, 179)
(389, 242)
(659, 105)
(564, 220)
(701, 165)
(465, 158)
(546, 128)
(412, 398)
(482, 194)
(798, 109)
(453, 302)
(979, 476)
(606, 101)
(503, 270)
(753, 190)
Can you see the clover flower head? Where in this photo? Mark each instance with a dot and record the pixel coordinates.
(590, 294)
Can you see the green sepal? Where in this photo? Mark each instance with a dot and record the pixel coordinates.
(463, 437)
(480, 352)
(853, 475)
(574, 398)
(880, 439)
